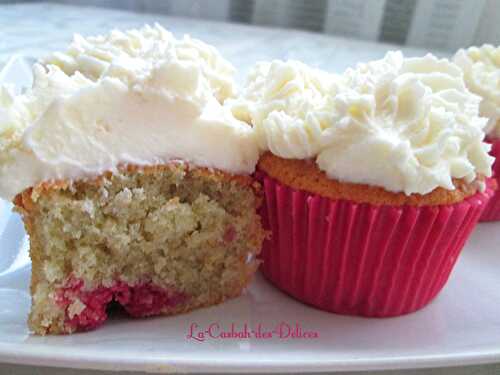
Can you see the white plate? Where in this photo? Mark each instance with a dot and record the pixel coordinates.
(462, 326)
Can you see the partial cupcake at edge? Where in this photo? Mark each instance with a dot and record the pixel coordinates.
(132, 179)
(481, 68)
(373, 179)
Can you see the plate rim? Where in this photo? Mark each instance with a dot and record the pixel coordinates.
(117, 361)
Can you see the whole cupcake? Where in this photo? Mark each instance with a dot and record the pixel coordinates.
(373, 180)
(481, 68)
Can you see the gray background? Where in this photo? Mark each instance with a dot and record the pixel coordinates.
(444, 24)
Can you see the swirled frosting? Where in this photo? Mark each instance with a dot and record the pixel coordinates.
(289, 105)
(481, 68)
(139, 97)
(407, 125)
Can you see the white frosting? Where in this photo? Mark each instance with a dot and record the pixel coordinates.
(151, 109)
(289, 104)
(132, 53)
(407, 125)
(481, 68)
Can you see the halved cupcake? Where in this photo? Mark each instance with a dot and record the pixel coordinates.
(132, 179)
(481, 68)
(373, 180)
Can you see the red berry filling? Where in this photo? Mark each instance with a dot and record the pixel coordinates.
(140, 300)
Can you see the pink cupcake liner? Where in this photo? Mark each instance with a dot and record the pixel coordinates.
(361, 259)
(492, 210)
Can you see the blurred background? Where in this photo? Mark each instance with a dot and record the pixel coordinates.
(327, 34)
(432, 24)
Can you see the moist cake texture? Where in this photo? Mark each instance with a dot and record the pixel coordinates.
(157, 240)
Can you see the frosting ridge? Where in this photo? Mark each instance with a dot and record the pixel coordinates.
(288, 104)
(481, 68)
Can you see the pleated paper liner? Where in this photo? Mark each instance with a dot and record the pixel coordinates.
(492, 210)
(361, 259)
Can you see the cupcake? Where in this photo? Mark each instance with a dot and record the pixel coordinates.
(373, 180)
(133, 180)
(481, 68)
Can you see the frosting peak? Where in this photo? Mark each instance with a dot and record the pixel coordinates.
(408, 125)
(288, 104)
(481, 68)
(134, 53)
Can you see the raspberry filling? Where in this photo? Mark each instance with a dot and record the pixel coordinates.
(86, 309)
(230, 234)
